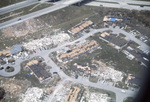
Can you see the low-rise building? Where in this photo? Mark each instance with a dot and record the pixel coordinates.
(113, 40)
(79, 27)
(5, 52)
(16, 49)
(38, 70)
(75, 94)
(84, 48)
(111, 19)
(138, 55)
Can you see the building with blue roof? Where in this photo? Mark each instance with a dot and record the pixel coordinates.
(16, 49)
(113, 19)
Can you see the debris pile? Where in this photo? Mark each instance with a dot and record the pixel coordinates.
(53, 40)
(32, 95)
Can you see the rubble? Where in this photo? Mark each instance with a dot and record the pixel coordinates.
(32, 95)
(98, 97)
(53, 40)
(110, 73)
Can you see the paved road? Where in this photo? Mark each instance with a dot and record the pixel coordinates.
(45, 54)
(61, 4)
(17, 6)
(121, 4)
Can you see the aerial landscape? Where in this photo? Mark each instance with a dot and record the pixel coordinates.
(73, 50)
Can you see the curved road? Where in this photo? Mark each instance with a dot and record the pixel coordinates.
(63, 3)
(45, 54)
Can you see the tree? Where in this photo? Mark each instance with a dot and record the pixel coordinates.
(2, 93)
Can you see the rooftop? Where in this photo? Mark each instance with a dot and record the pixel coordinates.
(79, 27)
(113, 39)
(73, 95)
(16, 49)
(38, 70)
(79, 50)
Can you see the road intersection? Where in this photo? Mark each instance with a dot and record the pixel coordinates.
(45, 54)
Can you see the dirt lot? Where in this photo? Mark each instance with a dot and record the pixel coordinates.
(13, 88)
(68, 17)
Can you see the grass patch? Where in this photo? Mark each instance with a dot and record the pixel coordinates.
(110, 93)
(107, 2)
(121, 85)
(22, 75)
(9, 69)
(128, 99)
(23, 11)
(107, 54)
(138, 4)
(4, 3)
(93, 79)
(122, 35)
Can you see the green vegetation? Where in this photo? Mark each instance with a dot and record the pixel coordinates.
(138, 4)
(4, 3)
(2, 62)
(108, 2)
(10, 69)
(108, 53)
(121, 85)
(23, 11)
(2, 93)
(22, 75)
(93, 79)
(128, 99)
(110, 93)
(122, 35)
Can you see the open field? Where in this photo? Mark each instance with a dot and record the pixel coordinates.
(4, 3)
(23, 11)
(67, 17)
(111, 57)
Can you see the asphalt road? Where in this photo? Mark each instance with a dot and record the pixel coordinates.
(17, 6)
(61, 4)
(121, 4)
(58, 5)
(45, 54)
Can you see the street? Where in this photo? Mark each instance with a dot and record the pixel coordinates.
(45, 54)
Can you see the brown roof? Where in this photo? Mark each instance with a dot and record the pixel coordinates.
(32, 62)
(77, 28)
(81, 49)
(73, 94)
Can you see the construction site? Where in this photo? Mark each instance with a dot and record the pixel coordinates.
(78, 51)
(72, 92)
(75, 94)
(102, 72)
(80, 27)
(70, 53)
(46, 42)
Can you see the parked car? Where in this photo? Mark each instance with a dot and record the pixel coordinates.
(1, 68)
(76, 76)
(19, 19)
(54, 72)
